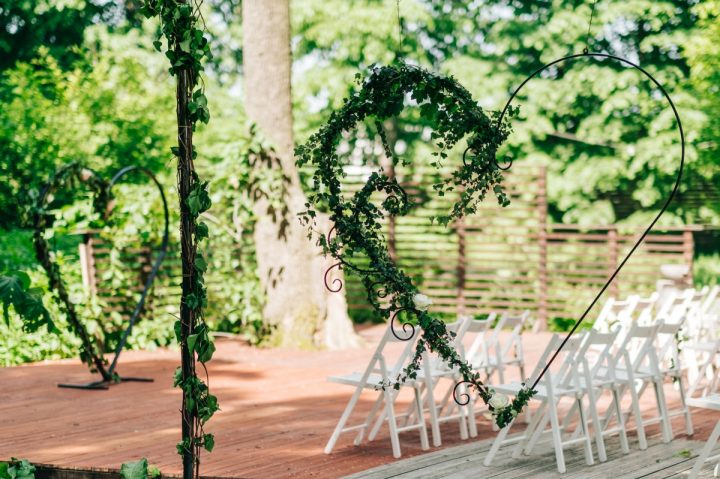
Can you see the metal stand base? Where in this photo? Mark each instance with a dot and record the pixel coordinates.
(105, 384)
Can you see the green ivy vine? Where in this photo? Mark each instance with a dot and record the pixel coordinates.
(454, 116)
(186, 47)
(41, 218)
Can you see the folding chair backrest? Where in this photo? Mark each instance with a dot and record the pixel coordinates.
(645, 309)
(550, 349)
(613, 312)
(385, 363)
(478, 330)
(515, 325)
(568, 357)
(595, 353)
(667, 345)
(639, 346)
(458, 328)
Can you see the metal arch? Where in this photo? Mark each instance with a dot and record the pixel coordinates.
(156, 265)
(625, 61)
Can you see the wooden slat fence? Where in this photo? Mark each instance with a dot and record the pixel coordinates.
(500, 259)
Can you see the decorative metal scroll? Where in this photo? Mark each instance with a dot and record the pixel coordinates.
(508, 163)
(102, 191)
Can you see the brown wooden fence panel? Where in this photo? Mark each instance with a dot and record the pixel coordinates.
(500, 259)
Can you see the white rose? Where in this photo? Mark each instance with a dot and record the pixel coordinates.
(498, 401)
(422, 302)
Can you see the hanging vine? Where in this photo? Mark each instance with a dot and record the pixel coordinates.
(454, 116)
(182, 37)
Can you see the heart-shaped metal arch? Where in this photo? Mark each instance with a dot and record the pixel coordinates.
(104, 189)
(647, 230)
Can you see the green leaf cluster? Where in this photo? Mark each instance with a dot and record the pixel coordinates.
(453, 116)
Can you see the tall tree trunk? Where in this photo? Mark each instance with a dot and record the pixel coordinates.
(290, 266)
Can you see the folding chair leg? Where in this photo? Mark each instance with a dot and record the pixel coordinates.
(557, 438)
(392, 424)
(376, 427)
(543, 421)
(621, 422)
(432, 408)
(496, 444)
(529, 431)
(421, 420)
(586, 433)
(599, 439)
(662, 409)
(370, 418)
(343, 420)
(705, 452)
(683, 401)
(472, 420)
(642, 439)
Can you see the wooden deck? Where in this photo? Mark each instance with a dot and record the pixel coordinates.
(277, 412)
(660, 460)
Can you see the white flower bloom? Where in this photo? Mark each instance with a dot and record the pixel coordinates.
(422, 302)
(498, 401)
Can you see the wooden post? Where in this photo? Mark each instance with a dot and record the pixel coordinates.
(542, 291)
(461, 266)
(612, 259)
(87, 263)
(688, 254)
(185, 172)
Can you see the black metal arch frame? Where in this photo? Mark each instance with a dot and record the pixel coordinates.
(465, 398)
(109, 375)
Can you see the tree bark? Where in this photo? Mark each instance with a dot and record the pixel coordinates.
(290, 266)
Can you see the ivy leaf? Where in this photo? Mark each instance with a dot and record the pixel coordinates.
(135, 470)
(200, 263)
(201, 231)
(191, 340)
(209, 442)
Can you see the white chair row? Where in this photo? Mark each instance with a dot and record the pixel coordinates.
(492, 346)
(590, 365)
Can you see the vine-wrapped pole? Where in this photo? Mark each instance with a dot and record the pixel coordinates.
(185, 170)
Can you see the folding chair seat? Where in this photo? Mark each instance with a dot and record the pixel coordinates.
(555, 385)
(380, 372)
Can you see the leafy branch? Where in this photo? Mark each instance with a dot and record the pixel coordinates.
(453, 116)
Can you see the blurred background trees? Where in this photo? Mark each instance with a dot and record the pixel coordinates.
(80, 80)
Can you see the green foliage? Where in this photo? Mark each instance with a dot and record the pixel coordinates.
(94, 113)
(15, 292)
(17, 469)
(706, 270)
(139, 470)
(135, 470)
(610, 143)
(453, 116)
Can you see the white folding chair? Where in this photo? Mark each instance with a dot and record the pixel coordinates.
(711, 402)
(555, 385)
(636, 368)
(379, 372)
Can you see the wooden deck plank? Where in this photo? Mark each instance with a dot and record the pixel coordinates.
(277, 412)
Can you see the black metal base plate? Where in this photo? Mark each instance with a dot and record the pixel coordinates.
(105, 384)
